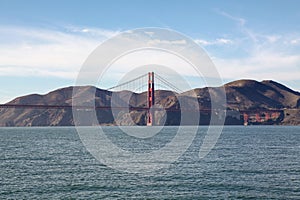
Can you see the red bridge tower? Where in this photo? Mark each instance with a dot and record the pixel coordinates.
(151, 99)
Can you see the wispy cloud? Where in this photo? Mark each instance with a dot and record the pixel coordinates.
(241, 21)
(267, 56)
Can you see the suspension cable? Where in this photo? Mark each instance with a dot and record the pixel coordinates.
(122, 84)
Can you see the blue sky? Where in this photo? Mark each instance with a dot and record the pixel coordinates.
(44, 43)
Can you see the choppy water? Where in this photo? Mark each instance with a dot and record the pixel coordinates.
(258, 162)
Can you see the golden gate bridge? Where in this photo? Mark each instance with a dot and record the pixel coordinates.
(152, 82)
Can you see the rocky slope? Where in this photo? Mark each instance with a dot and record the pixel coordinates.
(241, 95)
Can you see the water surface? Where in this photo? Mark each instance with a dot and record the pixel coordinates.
(255, 162)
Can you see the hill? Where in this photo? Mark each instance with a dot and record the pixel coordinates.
(241, 95)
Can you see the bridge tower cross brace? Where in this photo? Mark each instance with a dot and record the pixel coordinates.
(151, 99)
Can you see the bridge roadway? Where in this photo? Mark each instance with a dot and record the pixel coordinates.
(40, 106)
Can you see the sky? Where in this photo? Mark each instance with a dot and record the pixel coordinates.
(43, 44)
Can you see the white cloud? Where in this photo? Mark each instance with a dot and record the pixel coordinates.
(203, 42)
(167, 42)
(59, 53)
(150, 33)
(223, 41)
(273, 38)
(261, 66)
(218, 41)
(92, 31)
(295, 41)
(29, 51)
(271, 58)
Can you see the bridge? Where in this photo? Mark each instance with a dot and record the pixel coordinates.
(150, 83)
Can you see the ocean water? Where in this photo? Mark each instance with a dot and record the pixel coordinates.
(254, 162)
